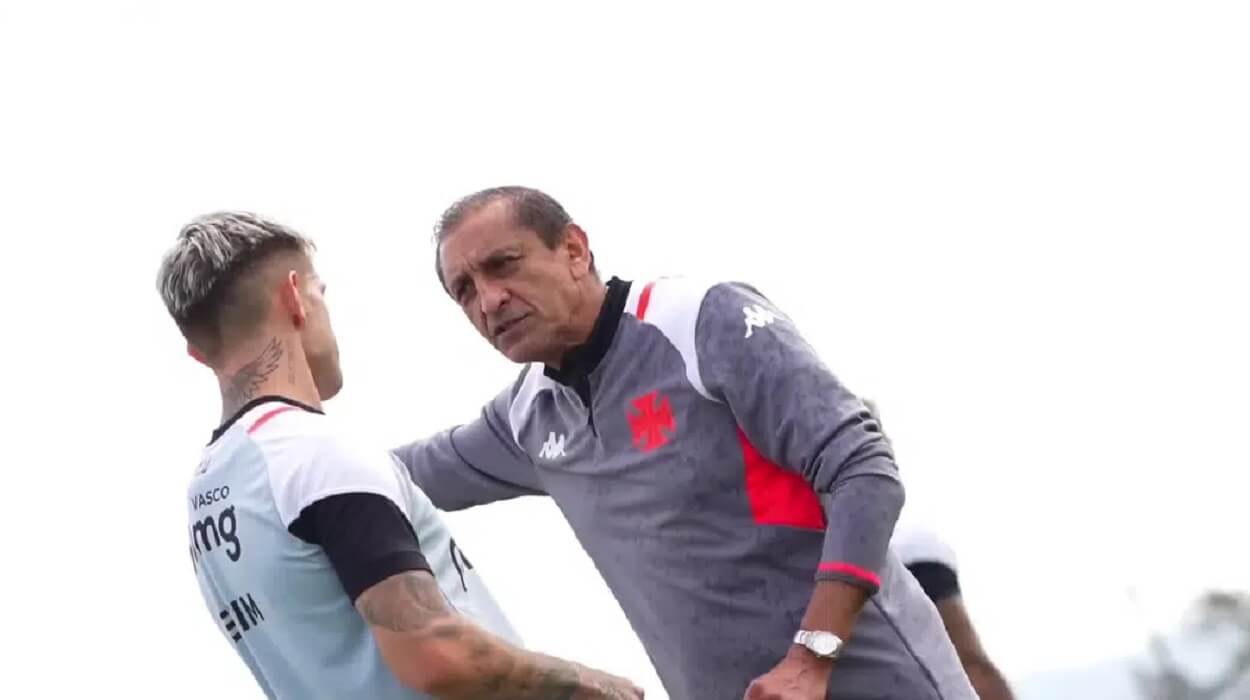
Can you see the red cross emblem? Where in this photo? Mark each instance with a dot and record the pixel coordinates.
(651, 418)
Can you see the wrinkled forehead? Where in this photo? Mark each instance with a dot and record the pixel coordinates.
(482, 235)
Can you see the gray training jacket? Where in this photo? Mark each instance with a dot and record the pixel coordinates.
(713, 468)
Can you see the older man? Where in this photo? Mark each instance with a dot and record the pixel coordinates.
(737, 499)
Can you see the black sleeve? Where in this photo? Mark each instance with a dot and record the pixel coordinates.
(365, 536)
(939, 581)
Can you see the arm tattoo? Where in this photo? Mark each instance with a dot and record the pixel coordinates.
(504, 676)
(413, 603)
(244, 384)
(409, 602)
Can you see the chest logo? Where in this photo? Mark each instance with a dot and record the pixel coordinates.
(757, 317)
(553, 447)
(651, 421)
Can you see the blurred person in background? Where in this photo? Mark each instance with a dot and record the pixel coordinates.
(933, 562)
(934, 565)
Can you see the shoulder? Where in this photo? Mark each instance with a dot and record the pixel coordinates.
(667, 300)
(671, 301)
(928, 557)
(310, 457)
(288, 434)
(680, 305)
(918, 543)
(672, 305)
(696, 315)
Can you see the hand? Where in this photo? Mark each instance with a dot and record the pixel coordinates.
(598, 685)
(801, 675)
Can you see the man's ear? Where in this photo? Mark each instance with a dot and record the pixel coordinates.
(291, 300)
(577, 244)
(196, 355)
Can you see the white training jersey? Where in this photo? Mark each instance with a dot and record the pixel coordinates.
(277, 598)
(916, 542)
(929, 558)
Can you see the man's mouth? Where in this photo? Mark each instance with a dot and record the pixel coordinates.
(505, 326)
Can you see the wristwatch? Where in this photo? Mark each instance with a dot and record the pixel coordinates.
(826, 645)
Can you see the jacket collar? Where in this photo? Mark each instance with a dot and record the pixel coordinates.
(580, 361)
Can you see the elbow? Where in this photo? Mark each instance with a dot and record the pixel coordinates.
(895, 493)
(438, 680)
(875, 473)
(885, 492)
(988, 681)
(986, 678)
(435, 661)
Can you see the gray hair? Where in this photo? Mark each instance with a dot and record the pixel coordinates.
(212, 253)
(531, 209)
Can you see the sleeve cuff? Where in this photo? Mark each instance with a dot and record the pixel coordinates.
(849, 573)
(938, 580)
(358, 580)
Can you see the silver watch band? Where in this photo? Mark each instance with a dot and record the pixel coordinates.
(825, 645)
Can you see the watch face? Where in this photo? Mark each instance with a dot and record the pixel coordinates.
(824, 644)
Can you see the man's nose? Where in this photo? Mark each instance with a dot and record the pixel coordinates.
(492, 297)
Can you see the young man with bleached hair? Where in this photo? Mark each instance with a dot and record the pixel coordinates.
(325, 568)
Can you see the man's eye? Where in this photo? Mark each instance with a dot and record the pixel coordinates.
(507, 262)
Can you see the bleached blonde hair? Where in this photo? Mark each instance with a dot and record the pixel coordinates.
(201, 278)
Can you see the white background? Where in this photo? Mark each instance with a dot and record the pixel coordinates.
(1019, 227)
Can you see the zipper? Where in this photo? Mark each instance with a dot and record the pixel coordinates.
(583, 392)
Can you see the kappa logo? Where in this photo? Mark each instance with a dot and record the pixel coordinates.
(651, 422)
(553, 447)
(757, 317)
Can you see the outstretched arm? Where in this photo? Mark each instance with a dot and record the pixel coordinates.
(347, 501)
(472, 464)
(434, 650)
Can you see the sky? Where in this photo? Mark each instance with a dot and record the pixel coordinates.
(1020, 228)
